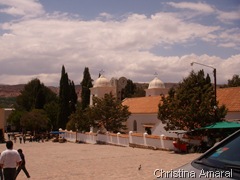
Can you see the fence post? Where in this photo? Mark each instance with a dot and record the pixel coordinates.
(144, 138)
(130, 137)
(162, 139)
(118, 137)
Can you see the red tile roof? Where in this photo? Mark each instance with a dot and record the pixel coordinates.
(149, 105)
(230, 97)
(143, 105)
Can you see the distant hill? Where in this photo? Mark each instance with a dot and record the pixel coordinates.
(11, 90)
(15, 90)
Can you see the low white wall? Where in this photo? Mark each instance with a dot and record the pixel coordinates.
(143, 140)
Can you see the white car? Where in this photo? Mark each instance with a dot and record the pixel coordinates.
(220, 162)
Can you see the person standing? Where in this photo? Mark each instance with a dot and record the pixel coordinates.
(24, 138)
(9, 161)
(20, 139)
(22, 166)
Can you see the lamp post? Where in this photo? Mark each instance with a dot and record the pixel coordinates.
(215, 82)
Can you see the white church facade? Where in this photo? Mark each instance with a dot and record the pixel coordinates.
(143, 110)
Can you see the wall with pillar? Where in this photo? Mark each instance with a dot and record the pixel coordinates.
(131, 140)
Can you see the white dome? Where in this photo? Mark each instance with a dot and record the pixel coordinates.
(102, 82)
(156, 83)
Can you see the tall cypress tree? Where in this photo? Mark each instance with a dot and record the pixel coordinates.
(64, 109)
(73, 97)
(67, 99)
(86, 85)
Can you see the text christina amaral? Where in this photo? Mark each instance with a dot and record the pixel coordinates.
(181, 173)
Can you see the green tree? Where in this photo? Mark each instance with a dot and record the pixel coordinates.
(109, 113)
(80, 120)
(36, 120)
(14, 119)
(129, 90)
(86, 85)
(139, 91)
(34, 96)
(72, 97)
(67, 99)
(234, 82)
(191, 105)
(64, 108)
(52, 110)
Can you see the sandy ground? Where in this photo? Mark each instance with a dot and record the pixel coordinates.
(71, 161)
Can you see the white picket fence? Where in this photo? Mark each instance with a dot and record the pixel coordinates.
(131, 139)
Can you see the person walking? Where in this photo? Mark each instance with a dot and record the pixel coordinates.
(9, 161)
(22, 166)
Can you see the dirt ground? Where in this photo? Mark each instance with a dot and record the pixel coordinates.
(71, 161)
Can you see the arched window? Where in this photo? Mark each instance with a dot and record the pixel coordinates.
(134, 125)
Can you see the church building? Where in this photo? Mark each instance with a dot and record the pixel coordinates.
(144, 110)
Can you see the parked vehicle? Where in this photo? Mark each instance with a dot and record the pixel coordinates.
(220, 162)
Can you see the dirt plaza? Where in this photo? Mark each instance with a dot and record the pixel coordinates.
(72, 161)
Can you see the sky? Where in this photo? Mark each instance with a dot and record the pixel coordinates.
(137, 39)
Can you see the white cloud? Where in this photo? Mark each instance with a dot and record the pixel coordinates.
(230, 38)
(105, 15)
(25, 8)
(200, 7)
(39, 46)
(228, 17)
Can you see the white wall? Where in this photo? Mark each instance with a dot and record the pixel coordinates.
(144, 140)
(142, 119)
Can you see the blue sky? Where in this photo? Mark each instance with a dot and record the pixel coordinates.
(131, 38)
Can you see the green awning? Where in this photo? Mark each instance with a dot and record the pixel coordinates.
(224, 124)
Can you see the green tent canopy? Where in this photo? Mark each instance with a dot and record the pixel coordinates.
(224, 124)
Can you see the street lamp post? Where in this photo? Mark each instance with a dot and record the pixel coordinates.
(215, 82)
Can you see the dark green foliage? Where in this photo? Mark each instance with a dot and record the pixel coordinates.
(15, 117)
(129, 90)
(86, 84)
(109, 113)
(34, 96)
(234, 82)
(73, 97)
(133, 90)
(80, 120)
(139, 91)
(64, 109)
(7, 102)
(52, 110)
(191, 105)
(36, 120)
(67, 99)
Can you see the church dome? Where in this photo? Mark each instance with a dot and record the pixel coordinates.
(156, 83)
(102, 82)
